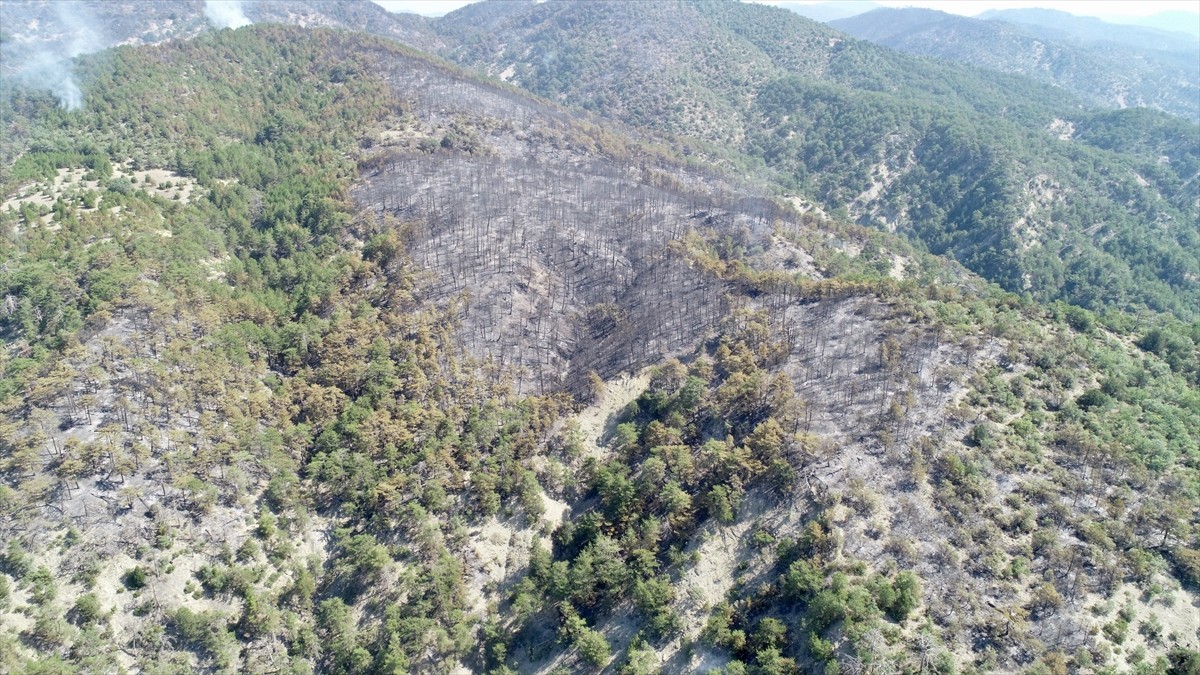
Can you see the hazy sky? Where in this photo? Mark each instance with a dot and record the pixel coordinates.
(426, 7)
(1088, 8)
(1109, 8)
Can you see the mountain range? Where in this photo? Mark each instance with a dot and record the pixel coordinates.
(1175, 23)
(1105, 65)
(614, 337)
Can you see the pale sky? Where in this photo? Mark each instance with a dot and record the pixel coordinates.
(1109, 8)
(423, 7)
(1078, 7)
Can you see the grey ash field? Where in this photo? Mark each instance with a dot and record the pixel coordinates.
(321, 353)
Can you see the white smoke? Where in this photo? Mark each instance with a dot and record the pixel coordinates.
(50, 65)
(84, 40)
(225, 13)
(81, 26)
(51, 72)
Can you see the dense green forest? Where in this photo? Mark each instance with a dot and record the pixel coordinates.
(237, 435)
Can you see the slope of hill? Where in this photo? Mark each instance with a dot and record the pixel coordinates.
(971, 163)
(1164, 75)
(290, 319)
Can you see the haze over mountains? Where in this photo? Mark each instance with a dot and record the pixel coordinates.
(1171, 21)
(634, 338)
(1104, 64)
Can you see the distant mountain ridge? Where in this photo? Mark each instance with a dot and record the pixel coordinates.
(1174, 21)
(830, 11)
(1053, 24)
(1083, 57)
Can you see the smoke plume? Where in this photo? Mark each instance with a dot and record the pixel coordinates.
(50, 65)
(51, 72)
(225, 13)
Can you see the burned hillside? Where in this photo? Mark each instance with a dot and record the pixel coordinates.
(428, 375)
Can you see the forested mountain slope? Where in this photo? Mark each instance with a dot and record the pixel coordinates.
(1101, 72)
(320, 354)
(971, 163)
